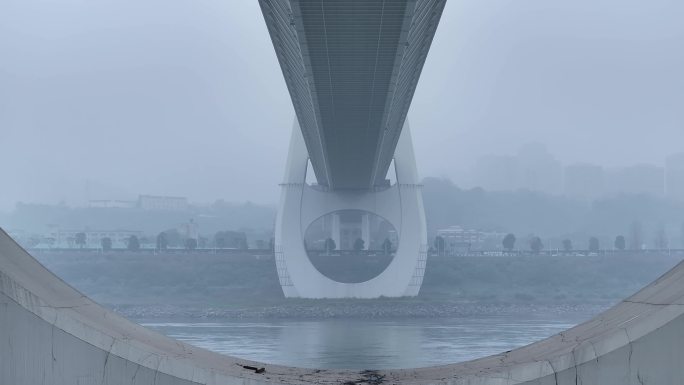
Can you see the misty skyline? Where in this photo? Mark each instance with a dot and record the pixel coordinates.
(187, 98)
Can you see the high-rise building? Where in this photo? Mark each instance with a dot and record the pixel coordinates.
(533, 168)
(674, 176)
(496, 172)
(637, 179)
(585, 181)
(538, 169)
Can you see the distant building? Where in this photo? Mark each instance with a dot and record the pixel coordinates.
(165, 203)
(539, 170)
(145, 202)
(110, 203)
(496, 172)
(674, 176)
(190, 230)
(584, 181)
(638, 179)
(458, 240)
(533, 168)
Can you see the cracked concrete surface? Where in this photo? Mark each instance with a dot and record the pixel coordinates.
(51, 334)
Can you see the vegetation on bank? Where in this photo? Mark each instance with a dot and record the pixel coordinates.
(234, 281)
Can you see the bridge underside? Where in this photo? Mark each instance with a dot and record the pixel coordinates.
(351, 68)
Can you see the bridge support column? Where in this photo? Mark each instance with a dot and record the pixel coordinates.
(301, 204)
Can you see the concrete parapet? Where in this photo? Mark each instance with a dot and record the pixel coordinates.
(52, 334)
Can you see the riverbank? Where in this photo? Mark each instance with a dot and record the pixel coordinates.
(239, 286)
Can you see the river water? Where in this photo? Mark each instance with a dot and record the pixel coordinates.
(363, 344)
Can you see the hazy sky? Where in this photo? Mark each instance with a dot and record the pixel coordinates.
(185, 97)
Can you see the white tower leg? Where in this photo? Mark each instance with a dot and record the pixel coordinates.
(400, 204)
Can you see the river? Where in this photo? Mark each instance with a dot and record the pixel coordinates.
(363, 344)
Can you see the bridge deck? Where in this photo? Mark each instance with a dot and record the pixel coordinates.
(351, 68)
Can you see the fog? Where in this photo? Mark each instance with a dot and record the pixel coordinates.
(142, 144)
(110, 99)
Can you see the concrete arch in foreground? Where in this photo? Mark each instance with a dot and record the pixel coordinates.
(52, 334)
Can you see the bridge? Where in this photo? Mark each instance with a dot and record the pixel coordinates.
(351, 128)
(351, 68)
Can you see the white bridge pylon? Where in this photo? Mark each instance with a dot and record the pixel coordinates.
(300, 205)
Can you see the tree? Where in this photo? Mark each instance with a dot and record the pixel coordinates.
(162, 241)
(439, 244)
(174, 238)
(620, 242)
(509, 242)
(80, 239)
(387, 246)
(359, 244)
(133, 243)
(593, 244)
(106, 243)
(329, 245)
(536, 245)
(567, 245)
(190, 244)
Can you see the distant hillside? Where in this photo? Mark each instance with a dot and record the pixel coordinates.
(210, 219)
(522, 212)
(552, 217)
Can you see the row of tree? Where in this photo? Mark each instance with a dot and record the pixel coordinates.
(132, 243)
(536, 245)
(359, 244)
(172, 238)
